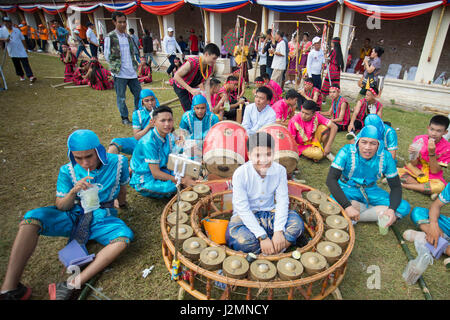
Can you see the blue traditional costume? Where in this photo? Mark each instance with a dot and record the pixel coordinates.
(101, 225)
(141, 119)
(152, 149)
(255, 213)
(358, 178)
(198, 128)
(421, 215)
(385, 132)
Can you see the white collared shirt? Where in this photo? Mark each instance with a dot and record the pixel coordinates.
(279, 62)
(254, 119)
(314, 62)
(252, 193)
(126, 68)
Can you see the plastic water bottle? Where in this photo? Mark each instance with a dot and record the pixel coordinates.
(415, 268)
(417, 145)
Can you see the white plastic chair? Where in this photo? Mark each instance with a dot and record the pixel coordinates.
(394, 70)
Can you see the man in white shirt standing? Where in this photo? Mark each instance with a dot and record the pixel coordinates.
(15, 44)
(92, 39)
(258, 223)
(279, 59)
(120, 54)
(170, 46)
(314, 64)
(259, 113)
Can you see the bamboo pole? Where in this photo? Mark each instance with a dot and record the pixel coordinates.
(300, 21)
(296, 57)
(61, 84)
(161, 28)
(247, 19)
(342, 20)
(436, 34)
(73, 87)
(165, 103)
(242, 56)
(335, 22)
(207, 26)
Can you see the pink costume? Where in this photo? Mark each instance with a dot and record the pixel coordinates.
(442, 155)
(282, 110)
(303, 132)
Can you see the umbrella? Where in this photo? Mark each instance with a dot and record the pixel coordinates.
(230, 41)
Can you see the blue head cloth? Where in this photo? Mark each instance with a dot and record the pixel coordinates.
(375, 120)
(199, 99)
(144, 94)
(82, 140)
(371, 132)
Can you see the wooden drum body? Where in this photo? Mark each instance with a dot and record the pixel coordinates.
(286, 152)
(225, 148)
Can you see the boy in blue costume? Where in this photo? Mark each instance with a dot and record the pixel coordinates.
(141, 124)
(354, 173)
(433, 223)
(199, 119)
(386, 133)
(68, 219)
(197, 122)
(151, 178)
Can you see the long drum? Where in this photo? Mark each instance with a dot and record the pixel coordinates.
(286, 152)
(225, 148)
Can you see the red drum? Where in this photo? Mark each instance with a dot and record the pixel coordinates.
(285, 146)
(225, 148)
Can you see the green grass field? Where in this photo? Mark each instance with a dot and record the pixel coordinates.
(36, 121)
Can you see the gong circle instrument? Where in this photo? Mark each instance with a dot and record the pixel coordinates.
(210, 270)
(286, 151)
(225, 148)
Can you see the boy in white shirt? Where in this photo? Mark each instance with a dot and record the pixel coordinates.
(259, 113)
(258, 224)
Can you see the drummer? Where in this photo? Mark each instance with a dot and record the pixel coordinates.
(150, 177)
(258, 223)
(198, 121)
(354, 173)
(313, 132)
(142, 123)
(259, 113)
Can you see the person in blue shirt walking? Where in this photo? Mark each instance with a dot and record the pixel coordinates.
(69, 219)
(61, 34)
(142, 123)
(150, 177)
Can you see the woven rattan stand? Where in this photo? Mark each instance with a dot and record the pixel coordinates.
(200, 283)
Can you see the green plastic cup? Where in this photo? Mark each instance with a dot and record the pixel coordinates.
(382, 222)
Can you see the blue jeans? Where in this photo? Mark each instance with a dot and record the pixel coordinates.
(93, 49)
(120, 85)
(317, 80)
(269, 71)
(150, 55)
(240, 238)
(81, 47)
